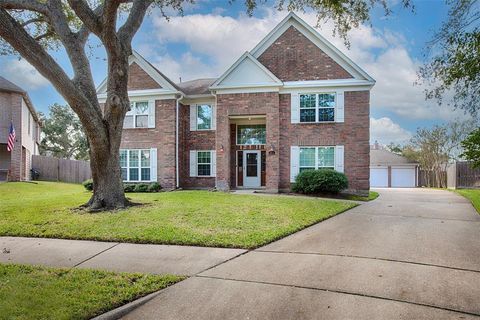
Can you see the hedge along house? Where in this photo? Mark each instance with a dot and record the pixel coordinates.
(293, 103)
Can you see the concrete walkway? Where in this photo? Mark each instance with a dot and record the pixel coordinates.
(411, 254)
(114, 256)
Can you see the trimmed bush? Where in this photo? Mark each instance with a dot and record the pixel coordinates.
(154, 187)
(320, 181)
(128, 187)
(141, 187)
(88, 184)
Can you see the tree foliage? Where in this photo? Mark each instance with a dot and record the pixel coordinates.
(63, 135)
(471, 147)
(453, 57)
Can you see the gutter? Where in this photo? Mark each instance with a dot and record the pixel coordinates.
(177, 125)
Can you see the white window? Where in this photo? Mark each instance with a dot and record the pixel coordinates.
(204, 117)
(138, 115)
(202, 163)
(316, 158)
(138, 165)
(318, 107)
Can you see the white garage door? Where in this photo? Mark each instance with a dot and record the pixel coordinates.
(378, 177)
(403, 177)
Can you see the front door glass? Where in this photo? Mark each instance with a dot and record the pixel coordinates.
(252, 164)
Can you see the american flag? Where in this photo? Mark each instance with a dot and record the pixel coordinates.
(11, 138)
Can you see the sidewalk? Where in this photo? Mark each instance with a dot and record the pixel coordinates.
(113, 256)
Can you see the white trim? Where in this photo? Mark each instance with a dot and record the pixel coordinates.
(153, 166)
(212, 163)
(293, 20)
(217, 84)
(327, 83)
(196, 117)
(247, 90)
(140, 96)
(321, 89)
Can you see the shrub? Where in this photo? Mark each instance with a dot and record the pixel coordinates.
(128, 187)
(88, 184)
(154, 187)
(320, 181)
(141, 187)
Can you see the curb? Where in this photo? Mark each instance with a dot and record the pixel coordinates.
(121, 311)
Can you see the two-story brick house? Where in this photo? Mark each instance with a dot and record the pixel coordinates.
(17, 108)
(293, 103)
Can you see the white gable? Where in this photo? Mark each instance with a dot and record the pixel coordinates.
(293, 20)
(246, 72)
(166, 84)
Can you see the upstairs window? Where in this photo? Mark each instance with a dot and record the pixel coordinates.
(251, 134)
(204, 117)
(317, 107)
(137, 117)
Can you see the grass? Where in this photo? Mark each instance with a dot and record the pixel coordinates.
(185, 217)
(372, 195)
(32, 292)
(471, 194)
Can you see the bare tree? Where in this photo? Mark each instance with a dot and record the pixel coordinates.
(33, 27)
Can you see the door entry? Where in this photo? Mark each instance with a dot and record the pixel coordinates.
(251, 169)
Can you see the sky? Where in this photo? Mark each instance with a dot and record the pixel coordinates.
(212, 35)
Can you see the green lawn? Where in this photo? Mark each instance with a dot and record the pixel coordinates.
(372, 195)
(471, 194)
(32, 292)
(185, 217)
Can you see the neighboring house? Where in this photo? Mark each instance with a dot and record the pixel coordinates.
(16, 107)
(293, 103)
(390, 170)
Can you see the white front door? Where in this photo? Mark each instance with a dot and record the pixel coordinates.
(251, 169)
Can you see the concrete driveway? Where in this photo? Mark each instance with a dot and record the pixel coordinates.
(411, 254)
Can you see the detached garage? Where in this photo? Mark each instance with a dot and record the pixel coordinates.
(390, 170)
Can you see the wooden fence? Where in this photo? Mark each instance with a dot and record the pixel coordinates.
(466, 176)
(55, 169)
(432, 179)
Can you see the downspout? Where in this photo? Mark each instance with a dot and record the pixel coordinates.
(214, 93)
(177, 125)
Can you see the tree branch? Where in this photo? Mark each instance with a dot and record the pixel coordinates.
(34, 53)
(90, 18)
(134, 20)
(31, 5)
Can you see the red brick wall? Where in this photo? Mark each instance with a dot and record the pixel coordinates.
(293, 57)
(266, 103)
(353, 134)
(138, 79)
(11, 109)
(161, 137)
(192, 140)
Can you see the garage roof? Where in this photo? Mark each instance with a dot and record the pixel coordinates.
(384, 157)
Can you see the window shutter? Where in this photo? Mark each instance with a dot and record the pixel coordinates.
(294, 162)
(151, 113)
(339, 158)
(193, 117)
(153, 164)
(213, 155)
(295, 107)
(340, 107)
(193, 163)
(214, 117)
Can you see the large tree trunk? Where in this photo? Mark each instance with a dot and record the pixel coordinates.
(105, 160)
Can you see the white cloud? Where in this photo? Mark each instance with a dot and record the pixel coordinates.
(214, 42)
(24, 75)
(385, 131)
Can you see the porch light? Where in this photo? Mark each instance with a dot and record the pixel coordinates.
(272, 149)
(221, 148)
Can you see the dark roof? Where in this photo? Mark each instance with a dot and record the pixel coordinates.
(197, 86)
(6, 85)
(384, 157)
